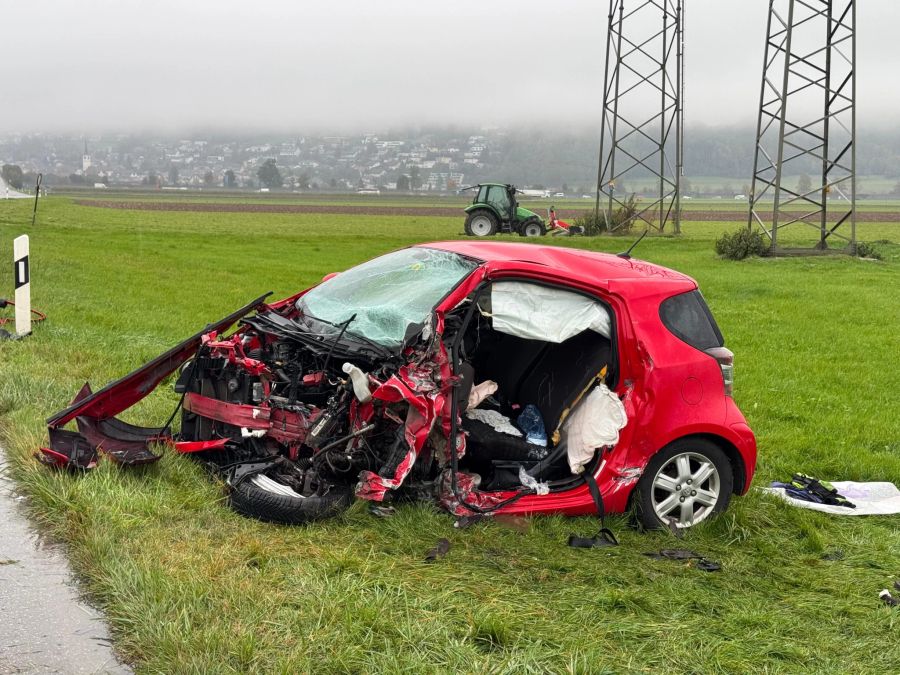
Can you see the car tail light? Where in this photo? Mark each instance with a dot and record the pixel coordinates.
(725, 358)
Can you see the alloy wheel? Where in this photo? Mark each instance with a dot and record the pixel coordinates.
(686, 489)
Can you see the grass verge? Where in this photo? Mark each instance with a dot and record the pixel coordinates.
(190, 587)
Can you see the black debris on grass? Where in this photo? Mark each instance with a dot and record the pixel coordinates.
(439, 551)
(702, 563)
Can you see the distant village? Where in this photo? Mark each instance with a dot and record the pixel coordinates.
(434, 162)
(366, 162)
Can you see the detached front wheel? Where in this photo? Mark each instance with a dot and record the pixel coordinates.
(265, 498)
(481, 224)
(685, 483)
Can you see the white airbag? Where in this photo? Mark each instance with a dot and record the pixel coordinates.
(595, 423)
(537, 312)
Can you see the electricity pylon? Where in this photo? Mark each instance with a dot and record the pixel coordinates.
(642, 129)
(807, 124)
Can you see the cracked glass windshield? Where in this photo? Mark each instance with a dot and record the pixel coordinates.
(387, 294)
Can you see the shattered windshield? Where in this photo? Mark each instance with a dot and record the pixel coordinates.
(387, 294)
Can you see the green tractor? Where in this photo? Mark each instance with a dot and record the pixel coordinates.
(495, 210)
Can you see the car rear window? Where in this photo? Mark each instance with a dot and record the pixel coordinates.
(688, 318)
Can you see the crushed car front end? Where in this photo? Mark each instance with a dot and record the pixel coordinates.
(331, 391)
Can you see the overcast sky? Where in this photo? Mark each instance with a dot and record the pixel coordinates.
(294, 65)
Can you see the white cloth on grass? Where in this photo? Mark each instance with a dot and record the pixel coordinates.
(871, 499)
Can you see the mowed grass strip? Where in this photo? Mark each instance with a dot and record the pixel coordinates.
(191, 587)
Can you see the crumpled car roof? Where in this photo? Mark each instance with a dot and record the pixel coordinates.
(573, 261)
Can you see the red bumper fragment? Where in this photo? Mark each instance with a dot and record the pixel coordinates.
(95, 412)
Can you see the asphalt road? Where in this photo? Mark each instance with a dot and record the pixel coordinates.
(45, 626)
(7, 192)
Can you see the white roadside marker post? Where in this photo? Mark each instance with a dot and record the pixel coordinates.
(22, 276)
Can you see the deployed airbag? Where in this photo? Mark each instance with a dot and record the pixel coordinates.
(537, 312)
(595, 423)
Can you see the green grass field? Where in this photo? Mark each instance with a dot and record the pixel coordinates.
(190, 587)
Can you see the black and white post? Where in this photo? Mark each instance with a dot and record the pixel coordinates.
(22, 276)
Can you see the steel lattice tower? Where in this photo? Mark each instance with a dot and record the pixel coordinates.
(807, 123)
(642, 129)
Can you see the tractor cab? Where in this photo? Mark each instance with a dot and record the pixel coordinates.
(495, 210)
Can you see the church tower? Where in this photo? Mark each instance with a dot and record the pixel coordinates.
(85, 159)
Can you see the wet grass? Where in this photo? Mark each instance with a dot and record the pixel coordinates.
(191, 587)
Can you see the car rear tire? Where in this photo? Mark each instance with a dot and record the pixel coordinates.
(532, 228)
(685, 483)
(481, 224)
(257, 499)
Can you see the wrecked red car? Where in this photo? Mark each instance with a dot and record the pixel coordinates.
(489, 377)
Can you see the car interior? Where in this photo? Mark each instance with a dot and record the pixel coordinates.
(551, 375)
